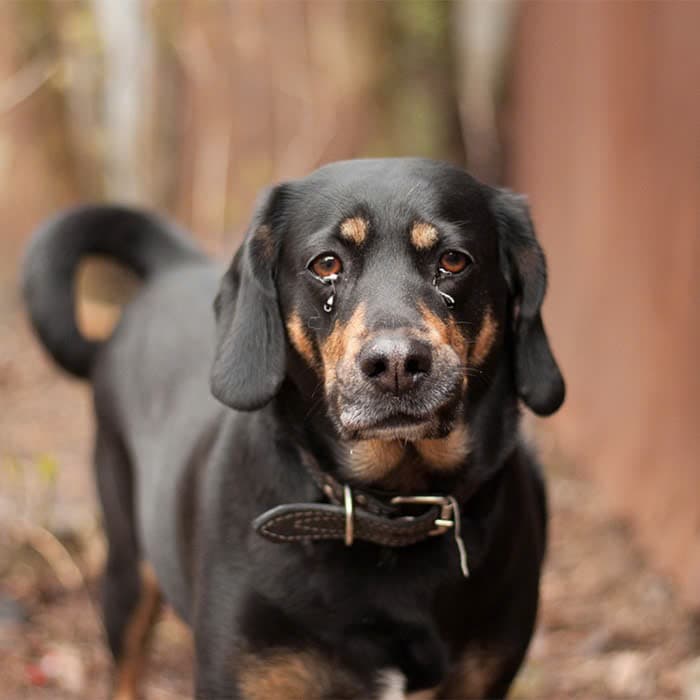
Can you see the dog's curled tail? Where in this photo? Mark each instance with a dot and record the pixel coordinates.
(137, 239)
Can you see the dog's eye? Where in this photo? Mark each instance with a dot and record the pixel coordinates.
(454, 261)
(326, 265)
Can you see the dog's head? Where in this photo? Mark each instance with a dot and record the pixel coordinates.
(397, 283)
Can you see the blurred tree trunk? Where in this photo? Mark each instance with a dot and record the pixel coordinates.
(37, 170)
(114, 56)
(483, 33)
(605, 114)
(270, 91)
(127, 98)
(412, 98)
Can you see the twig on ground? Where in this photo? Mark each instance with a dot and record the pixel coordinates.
(50, 548)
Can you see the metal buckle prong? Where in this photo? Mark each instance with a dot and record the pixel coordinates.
(444, 523)
(349, 516)
(449, 518)
(446, 519)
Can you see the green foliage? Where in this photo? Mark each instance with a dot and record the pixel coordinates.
(47, 467)
(414, 97)
(30, 484)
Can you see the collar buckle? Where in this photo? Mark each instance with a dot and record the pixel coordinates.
(449, 519)
(446, 504)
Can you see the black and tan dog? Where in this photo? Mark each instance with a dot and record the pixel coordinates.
(356, 516)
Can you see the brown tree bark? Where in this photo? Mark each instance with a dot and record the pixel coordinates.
(605, 119)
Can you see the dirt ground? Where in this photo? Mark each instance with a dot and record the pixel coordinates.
(609, 626)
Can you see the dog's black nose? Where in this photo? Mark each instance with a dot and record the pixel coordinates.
(395, 363)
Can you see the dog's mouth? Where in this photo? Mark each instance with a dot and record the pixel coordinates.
(426, 410)
(395, 420)
(395, 427)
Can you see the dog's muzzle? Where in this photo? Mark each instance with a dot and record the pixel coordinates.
(398, 386)
(395, 363)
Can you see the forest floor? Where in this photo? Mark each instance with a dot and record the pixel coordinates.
(609, 626)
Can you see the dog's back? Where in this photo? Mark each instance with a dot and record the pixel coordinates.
(150, 377)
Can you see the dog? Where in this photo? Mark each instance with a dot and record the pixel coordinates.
(325, 477)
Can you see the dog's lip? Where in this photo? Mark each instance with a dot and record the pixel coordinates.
(394, 427)
(400, 420)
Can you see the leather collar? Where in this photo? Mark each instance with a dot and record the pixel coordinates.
(389, 520)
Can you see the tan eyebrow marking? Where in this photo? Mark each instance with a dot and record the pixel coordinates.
(354, 229)
(424, 236)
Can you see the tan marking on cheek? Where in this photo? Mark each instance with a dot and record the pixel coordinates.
(446, 453)
(354, 230)
(445, 333)
(294, 675)
(300, 339)
(424, 236)
(457, 341)
(136, 634)
(343, 344)
(437, 328)
(485, 339)
(373, 459)
(473, 675)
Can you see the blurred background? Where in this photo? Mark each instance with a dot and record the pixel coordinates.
(191, 106)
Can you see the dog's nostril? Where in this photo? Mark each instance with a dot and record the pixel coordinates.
(418, 360)
(413, 365)
(395, 363)
(373, 367)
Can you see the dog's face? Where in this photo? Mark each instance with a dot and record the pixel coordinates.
(389, 288)
(394, 281)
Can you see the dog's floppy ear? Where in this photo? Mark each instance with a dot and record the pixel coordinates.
(249, 366)
(538, 379)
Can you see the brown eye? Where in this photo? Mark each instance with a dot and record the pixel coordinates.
(326, 265)
(453, 261)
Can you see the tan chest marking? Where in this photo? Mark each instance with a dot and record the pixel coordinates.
(373, 459)
(473, 676)
(294, 675)
(446, 453)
